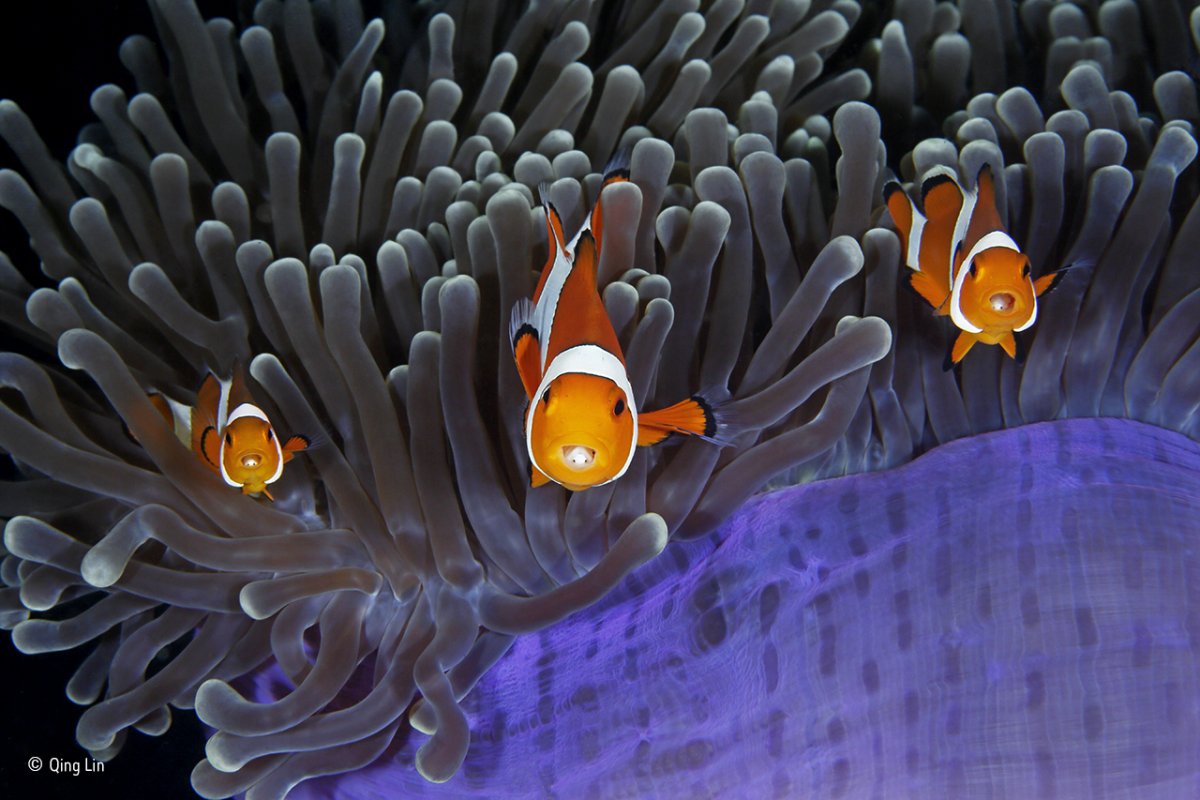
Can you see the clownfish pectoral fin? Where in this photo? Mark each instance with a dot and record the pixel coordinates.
(209, 447)
(694, 417)
(965, 341)
(525, 346)
(1008, 343)
(537, 478)
(294, 445)
(927, 289)
(1046, 283)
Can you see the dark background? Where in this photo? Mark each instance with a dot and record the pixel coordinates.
(53, 54)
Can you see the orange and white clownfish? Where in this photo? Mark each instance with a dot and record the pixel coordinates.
(582, 425)
(965, 264)
(231, 434)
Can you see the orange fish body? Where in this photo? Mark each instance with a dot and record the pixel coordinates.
(963, 262)
(230, 434)
(582, 426)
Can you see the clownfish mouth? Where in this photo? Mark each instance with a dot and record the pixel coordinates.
(1002, 302)
(578, 457)
(252, 460)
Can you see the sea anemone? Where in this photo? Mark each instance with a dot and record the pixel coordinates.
(348, 208)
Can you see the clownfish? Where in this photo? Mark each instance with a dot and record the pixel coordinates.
(582, 425)
(231, 434)
(964, 264)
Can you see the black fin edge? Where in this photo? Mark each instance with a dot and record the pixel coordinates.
(890, 188)
(618, 163)
(1058, 277)
(203, 438)
(710, 418)
(525, 330)
(932, 183)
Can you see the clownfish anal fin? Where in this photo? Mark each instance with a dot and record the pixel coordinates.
(927, 289)
(1047, 283)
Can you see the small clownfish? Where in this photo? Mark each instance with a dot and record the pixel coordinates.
(231, 434)
(582, 426)
(965, 264)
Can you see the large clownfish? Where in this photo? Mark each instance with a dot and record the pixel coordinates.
(965, 264)
(582, 426)
(231, 434)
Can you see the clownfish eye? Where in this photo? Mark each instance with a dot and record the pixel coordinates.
(619, 408)
(972, 269)
(1025, 270)
(229, 440)
(546, 396)
(270, 435)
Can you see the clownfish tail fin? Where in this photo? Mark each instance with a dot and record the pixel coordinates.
(520, 322)
(525, 346)
(618, 165)
(937, 177)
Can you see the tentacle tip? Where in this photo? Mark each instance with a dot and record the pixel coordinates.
(98, 572)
